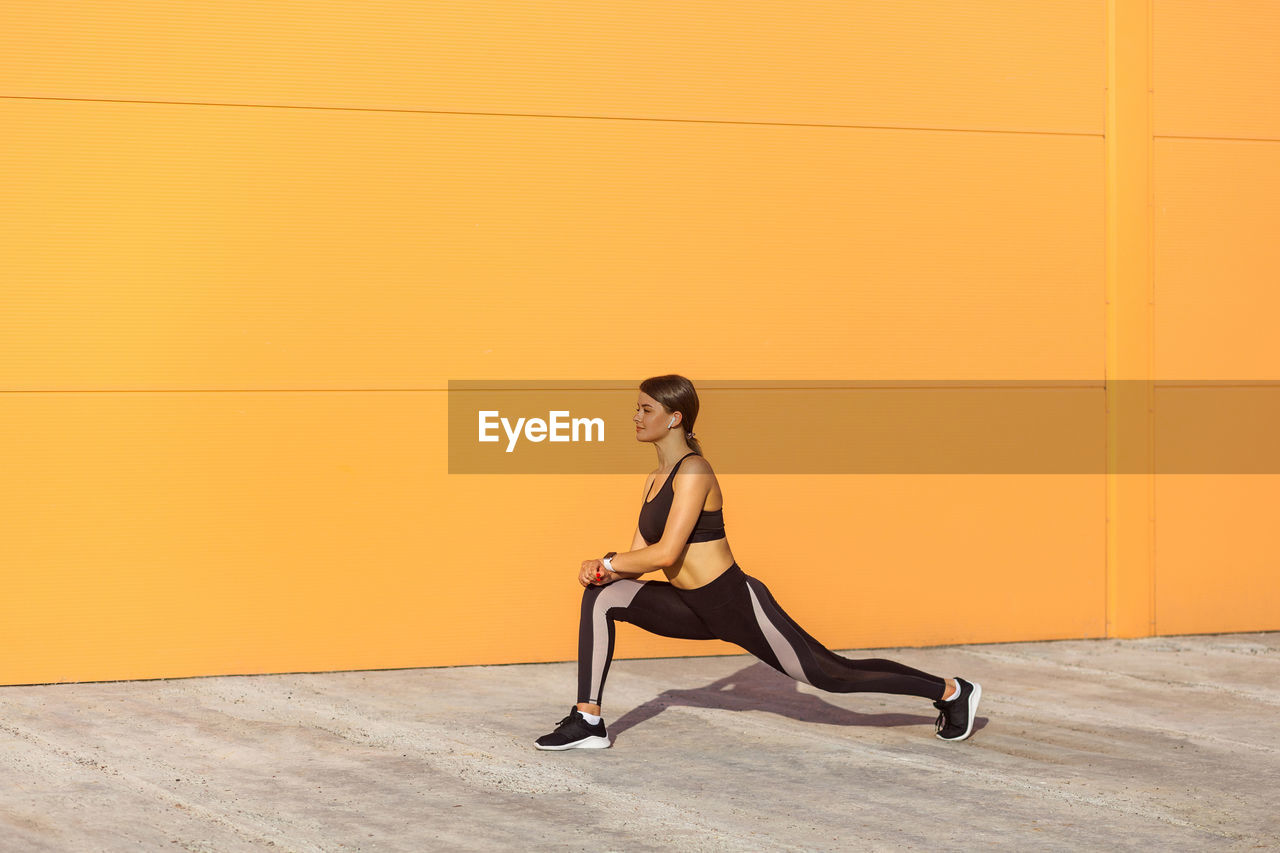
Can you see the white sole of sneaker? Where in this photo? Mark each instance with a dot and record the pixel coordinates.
(592, 742)
(973, 712)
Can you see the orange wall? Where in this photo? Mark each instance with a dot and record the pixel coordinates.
(248, 246)
(1216, 201)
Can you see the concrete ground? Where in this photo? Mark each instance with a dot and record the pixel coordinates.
(1158, 744)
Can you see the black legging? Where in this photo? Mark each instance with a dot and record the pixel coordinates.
(739, 609)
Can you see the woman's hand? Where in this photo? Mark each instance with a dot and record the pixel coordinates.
(593, 573)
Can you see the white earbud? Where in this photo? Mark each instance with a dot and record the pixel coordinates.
(671, 422)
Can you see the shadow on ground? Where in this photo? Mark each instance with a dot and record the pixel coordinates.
(759, 688)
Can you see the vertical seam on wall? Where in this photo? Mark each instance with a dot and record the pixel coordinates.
(1128, 314)
(1151, 315)
(1109, 225)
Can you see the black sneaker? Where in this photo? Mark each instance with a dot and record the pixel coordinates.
(958, 713)
(573, 732)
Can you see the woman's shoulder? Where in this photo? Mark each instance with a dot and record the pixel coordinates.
(695, 464)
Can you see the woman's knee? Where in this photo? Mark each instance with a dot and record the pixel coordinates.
(590, 595)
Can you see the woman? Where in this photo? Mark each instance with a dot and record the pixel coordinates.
(706, 595)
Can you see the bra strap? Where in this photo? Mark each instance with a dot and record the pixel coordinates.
(678, 464)
(669, 482)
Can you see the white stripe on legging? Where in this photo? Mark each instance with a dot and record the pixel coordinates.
(617, 594)
(781, 648)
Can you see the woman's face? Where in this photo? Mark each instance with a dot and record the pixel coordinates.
(650, 418)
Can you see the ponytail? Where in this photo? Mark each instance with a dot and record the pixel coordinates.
(676, 394)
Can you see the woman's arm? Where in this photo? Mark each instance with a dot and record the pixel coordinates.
(637, 542)
(689, 494)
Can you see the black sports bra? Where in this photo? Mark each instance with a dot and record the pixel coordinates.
(654, 512)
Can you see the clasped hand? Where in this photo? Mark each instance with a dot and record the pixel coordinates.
(593, 573)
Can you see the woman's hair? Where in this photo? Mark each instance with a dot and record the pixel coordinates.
(676, 394)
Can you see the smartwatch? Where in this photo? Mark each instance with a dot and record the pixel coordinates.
(607, 559)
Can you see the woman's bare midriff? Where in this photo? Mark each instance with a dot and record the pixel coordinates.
(700, 563)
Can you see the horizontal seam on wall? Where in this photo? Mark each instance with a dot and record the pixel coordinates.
(1098, 135)
(1215, 138)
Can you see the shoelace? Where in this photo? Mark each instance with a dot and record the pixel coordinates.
(942, 716)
